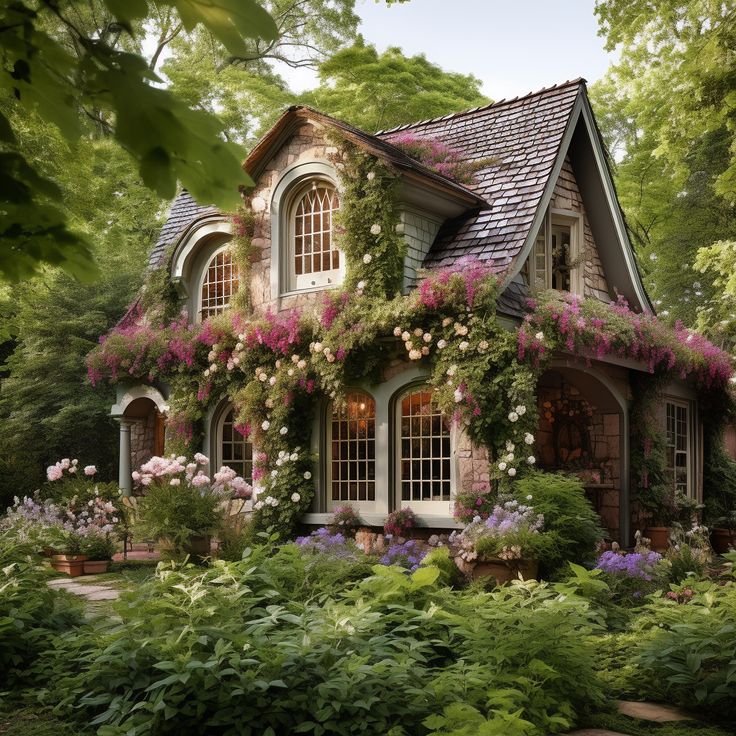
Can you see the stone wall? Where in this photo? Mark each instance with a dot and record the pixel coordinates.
(566, 196)
(142, 439)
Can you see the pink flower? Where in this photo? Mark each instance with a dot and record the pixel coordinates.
(90, 470)
(54, 472)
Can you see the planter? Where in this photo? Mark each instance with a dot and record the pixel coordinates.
(722, 540)
(71, 565)
(501, 570)
(95, 567)
(659, 536)
(197, 548)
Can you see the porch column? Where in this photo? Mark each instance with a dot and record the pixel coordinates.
(124, 477)
(624, 508)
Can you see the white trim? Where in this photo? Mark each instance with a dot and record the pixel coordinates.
(432, 522)
(191, 238)
(690, 440)
(196, 296)
(128, 394)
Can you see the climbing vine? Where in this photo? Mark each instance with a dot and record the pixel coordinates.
(279, 369)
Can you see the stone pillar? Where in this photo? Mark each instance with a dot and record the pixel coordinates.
(124, 478)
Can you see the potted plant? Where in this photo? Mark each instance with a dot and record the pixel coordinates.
(69, 558)
(99, 549)
(182, 507)
(658, 503)
(399, 523)
(507, 544)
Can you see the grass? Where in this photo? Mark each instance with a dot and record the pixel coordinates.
(636, 727)
(34, 722)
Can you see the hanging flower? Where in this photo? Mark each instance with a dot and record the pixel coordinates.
(531, 459)
(295, 497)
(283, 431)
(307, 475)
(512, 472)
(441, 344)
(265, 426)
(375, 229)
(513, 416)
(529, 438)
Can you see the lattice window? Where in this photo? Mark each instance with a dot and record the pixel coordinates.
(220, 283)
(678, 455)
(425, 449)
(235, 450)
(353, 445)
(314, 252)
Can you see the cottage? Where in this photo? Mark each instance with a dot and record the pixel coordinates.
(538, 208)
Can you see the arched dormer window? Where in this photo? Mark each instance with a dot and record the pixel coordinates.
(313, 259)
(219, 283)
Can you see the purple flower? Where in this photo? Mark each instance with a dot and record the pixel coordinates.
(633, 565)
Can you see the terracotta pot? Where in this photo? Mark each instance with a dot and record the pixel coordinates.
(503, 570)
(659, 536)
(722, 540)
(94, 567)
(71, 565)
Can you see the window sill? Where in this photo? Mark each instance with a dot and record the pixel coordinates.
(423, 520)
(310, 290)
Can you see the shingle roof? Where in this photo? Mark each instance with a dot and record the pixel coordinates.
(184, 211)
(523, 136)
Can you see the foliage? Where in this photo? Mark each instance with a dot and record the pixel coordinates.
(567, 513)
(341, 663)
(373, 91)
(181, 502)
(167, 139)
(99, 547)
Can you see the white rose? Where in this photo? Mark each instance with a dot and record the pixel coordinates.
(425, 350)
(458, 396)
(442, 344)
(266, 424)
(531, 459)
(405, 335)
(397, 331)
(464, 345)
(451, 370)
(367, 258)
(371, 175)
(512, 472)
(446, 321)
(415, 354)
(539, 336)
(502, 466)
(529, 438)
(307, 475)
(361, 285)
(213, 368)
(483, 345)
(295, 497)
(427, 337)
(318, 347)
(418, 331)
(513, 416)
(262, 376)
(521, 410)
(272, 381)
(375, 229)
(302, 364)
(283, 430)
(206, 372)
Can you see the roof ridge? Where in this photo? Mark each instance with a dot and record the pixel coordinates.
(499, 103)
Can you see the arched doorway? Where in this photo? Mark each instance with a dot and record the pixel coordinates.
(583, 430)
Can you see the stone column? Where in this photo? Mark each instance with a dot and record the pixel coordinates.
(124, 479)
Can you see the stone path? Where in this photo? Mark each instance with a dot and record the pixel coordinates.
(85, 590)
(654, 712)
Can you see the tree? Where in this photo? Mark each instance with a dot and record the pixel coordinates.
(100, 77)
(377, 91)
(668, 108)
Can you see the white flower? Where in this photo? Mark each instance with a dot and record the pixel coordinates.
(175, 482)
(464, 345)
(458, 395)
(446, 321)
(367, 258)
(521, 410)
(418, 331)
(531, 459)
(427, 337)
(283, 430)
(330, 358)
(513, 416)
(539, 336)
(405, 335)
(371, 175)
(425, 350)
(451, 370)
(302, 364)
(269, 403)
(397, 331)
(272, 381)
(512, 472)
(290, 372)
(295, 497)
(258, 505)
(415, 354)
(206, 372)
(529, 438)
(307, 475)
(213, 368)
(293, 456)
(318, 347)
(441, 344)
(483, 345)
(327, 351)
(262, 376)
(375, 229)
(274, 473)
(266, 424)
(502, 466)
(361, 285)
(460, 329)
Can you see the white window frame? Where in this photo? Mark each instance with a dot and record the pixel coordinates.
(559, 218)
(203, 276)
(688, 451)
(422, 508)
(218, 460)
(360, 506)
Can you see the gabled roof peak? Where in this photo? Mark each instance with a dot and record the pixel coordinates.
(491, 105)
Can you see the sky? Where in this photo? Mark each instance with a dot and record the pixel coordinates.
(512, 46)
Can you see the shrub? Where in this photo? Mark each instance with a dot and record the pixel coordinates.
(400, 522)
(247, 648)
(567, 512)
(633, 575)
(345, 518)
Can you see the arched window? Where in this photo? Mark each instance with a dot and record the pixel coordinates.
(219, 284)
(352, 442)
(234, 450)
(314, 259)
(424, 463)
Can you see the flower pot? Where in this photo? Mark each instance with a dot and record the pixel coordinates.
(95, 567)
(199, 547)
(71, 565)
(659, 536)
(504, 570)
(722, 540)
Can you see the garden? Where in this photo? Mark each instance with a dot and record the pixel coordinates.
(522, 622)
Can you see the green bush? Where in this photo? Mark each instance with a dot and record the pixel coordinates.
(275, 644)
(568, 517)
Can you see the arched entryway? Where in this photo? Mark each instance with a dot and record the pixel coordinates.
(583, 430)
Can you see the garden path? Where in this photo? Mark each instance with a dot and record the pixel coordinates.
(85, 590)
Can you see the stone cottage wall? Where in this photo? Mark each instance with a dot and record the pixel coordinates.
(566, 196)
(142, 439)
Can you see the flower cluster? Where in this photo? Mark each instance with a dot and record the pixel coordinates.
(324, 541)
(400, 522)
(632, 564)
(345, 517)
(56, 471)
(408, 554)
